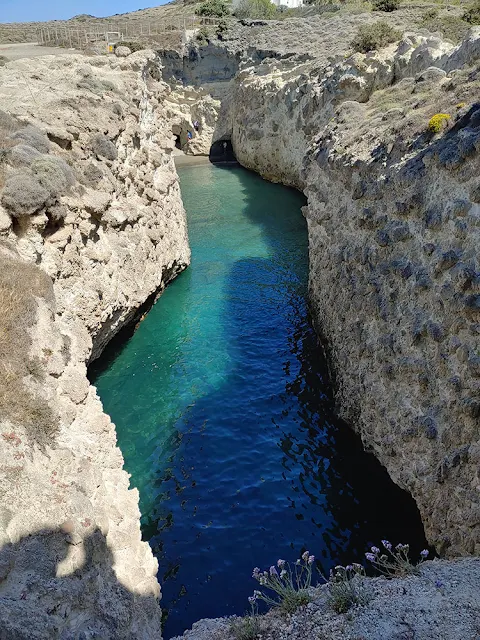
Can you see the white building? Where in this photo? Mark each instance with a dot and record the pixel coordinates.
(291, 4)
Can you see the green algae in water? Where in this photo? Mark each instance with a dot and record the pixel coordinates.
(224, 415)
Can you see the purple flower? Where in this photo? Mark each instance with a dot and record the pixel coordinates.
(273, 571)
(251, 599)
(311, 559)
(305, 556)
(370, 557)
(280, 564)
(257, 594)
(424, 553)
(387, 544)
(349, 567)
(438, 584)
(256, 572)
(375, 550)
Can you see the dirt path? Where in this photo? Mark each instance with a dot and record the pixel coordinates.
(31, 50)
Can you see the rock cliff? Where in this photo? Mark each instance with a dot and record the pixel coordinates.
(92, 226)
(393, 221)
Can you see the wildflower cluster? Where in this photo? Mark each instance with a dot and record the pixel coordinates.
(438, 122)
(394, 561)
(290, 585)
(346, 587)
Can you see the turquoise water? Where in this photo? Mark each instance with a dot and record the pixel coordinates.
(224, 415)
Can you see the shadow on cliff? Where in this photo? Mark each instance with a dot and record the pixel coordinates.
(41, 597)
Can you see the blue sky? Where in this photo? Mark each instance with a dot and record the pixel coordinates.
(31, 10)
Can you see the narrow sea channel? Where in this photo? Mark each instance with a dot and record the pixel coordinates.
(224, 414)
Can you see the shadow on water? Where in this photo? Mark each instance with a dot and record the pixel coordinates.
(254, 465)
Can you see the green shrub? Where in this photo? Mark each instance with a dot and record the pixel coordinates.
(23, 194)
(256, 9)
(430, 14)
(203, 36)
(102, 146)
(371, 37)
(472, 14)
(53, 173)
(453, 28)
(213, 8)
(132, 45)
(222, 28)
(385, 5)
(246, 628)
(33, 137)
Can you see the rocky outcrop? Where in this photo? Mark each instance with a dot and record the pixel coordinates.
(442, 601)
(90, 197)
(393, 221)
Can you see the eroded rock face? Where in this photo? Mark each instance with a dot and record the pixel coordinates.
(107, 224)
(393, 222)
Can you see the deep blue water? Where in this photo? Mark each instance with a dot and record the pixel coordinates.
(224, 414)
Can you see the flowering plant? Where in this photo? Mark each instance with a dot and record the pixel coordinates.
(346, 587)
(290, 585)
(394, 561)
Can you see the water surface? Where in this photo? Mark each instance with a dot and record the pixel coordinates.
(224, 415)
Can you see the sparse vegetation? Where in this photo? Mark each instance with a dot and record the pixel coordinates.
(33, 137)
(22, 155)
(53, 173)
(95, 85)
(347, 587)
(453, 28)
(203, 36)
(394, 561)
(371, 37)
(248, 627)
(19, 284)
(213, 9)
(222, 28)
(132, 45)
(472, 14)
(438, 122)
(23, 194)
(256, 9)
(385, 5)
(104, 147)
(290, 585)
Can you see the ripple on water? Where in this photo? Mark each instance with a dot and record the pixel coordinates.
(224, 415)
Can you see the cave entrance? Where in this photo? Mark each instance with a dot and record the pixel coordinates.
(222, 151)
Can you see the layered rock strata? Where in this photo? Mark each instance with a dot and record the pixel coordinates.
(392, 215)
(91, 215)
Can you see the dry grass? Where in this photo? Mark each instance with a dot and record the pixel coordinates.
(8, 126)
(20, 283)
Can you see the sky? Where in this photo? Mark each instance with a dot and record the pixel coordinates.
(33, 10)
